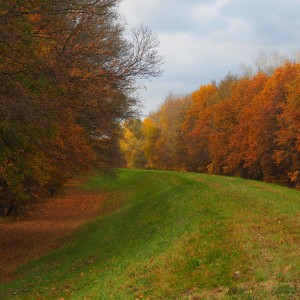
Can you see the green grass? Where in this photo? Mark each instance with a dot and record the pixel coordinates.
(176, 236)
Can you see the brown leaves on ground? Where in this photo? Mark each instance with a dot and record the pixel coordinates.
(42, 229)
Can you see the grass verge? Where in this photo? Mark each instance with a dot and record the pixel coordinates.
(172, 235)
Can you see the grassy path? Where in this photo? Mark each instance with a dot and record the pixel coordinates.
(176, 235)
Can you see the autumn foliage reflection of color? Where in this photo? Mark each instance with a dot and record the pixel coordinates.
(245, 126)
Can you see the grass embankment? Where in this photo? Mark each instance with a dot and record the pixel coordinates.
(176, 236)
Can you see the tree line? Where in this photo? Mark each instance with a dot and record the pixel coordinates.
(246, 125)
(68, 73)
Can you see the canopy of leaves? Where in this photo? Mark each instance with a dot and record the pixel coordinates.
(243, 126)
(68, 70)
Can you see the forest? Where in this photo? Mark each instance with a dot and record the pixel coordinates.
(68, 73)
(246, 125)
(98, 201)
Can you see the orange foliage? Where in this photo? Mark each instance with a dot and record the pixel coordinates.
(196, 127)
(247, 126)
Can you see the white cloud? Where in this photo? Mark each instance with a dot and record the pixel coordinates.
(204, 12)
(204, 39)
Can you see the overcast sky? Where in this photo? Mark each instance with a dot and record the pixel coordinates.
(202, 40)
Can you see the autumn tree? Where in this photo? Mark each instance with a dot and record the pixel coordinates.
(241, 144)
(287, 136)
(266, 107)
(164, 145)
(242, 126)
(67, 73)
(151, 134)
(132, 144)
(223, 115)
(196, 128)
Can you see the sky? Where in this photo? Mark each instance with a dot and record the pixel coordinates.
(202, 40)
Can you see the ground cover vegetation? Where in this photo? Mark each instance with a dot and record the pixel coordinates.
(68, 72)
(245, 125)
(175, 235)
